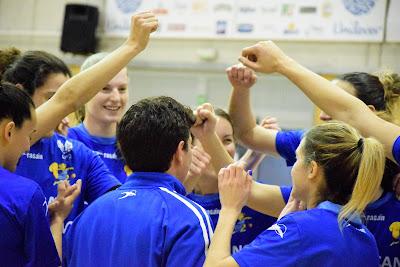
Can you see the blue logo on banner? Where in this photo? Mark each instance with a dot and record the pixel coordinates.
(359, 7)
(128, 6)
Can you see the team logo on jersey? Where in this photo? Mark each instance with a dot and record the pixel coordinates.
(65, 148)
(394, 228)
(126, 194)
(242, 223)
(280, 229)
(61, 172)
(127, 170)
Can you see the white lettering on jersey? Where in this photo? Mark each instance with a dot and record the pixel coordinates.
(213, 212)
(387, 263)
(33, 155)
(236, 248)
(376, 218)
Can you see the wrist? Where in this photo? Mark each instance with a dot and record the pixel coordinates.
(232, 212)
(284, 64)
(57, 220)
(133, 47)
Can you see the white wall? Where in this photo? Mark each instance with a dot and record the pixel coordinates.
(173, 67)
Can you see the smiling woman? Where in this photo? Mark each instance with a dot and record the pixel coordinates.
(100, 117)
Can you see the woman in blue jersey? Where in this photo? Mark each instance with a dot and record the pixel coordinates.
(27, 238)
(55, 159)
(336, 175)
(250, 223)
(100, 117)
(383, 215)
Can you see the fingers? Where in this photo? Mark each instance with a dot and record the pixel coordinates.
(147, 21)
(248, 63)
(270, 123)
(77, 190)
(203, 112)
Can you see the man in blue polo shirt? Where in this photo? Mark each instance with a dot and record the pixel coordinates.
(147, 221)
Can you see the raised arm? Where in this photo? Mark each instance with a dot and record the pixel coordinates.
(251, 159)
(244, 123)
(266, 199)
(266, 57)
(81, 88)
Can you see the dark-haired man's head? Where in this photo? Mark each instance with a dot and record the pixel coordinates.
(154, 136)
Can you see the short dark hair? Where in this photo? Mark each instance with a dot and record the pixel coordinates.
(15, 104)
(150, 131)
(32, 68)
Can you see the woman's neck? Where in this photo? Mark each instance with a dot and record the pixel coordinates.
(98, 128)
(207, 185)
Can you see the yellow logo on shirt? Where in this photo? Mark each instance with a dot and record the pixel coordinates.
(61, 172)
(394, 228)
(127, 170)
(242, 223)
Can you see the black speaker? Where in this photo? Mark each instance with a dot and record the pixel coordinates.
(79, 29)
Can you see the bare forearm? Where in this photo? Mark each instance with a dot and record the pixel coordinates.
(266, 199)
(219, 157)
(80, 89)
(240, 112)
(252, 159)
(326, 95)
(220, 245)
(56, 228)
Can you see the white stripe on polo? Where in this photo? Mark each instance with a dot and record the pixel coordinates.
(196, 212)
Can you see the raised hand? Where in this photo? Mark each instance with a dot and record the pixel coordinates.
(205, 121)
(263, 57)
(61, 207)
(63, 127)
(270, 123)
(241, 77)
(200, 162)
(142, 25)
(234, 186)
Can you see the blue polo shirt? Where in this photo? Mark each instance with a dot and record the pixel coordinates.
(25, 237)
(249, 225)
(57, 158)
(146, 222)
(105, 147)
(312, 238)
(286, 143)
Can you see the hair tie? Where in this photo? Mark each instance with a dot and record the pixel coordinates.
(360, 144)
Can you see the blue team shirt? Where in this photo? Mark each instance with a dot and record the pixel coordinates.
(286, 143)
(383, 220)
(249, 225)
(382, 216)
(396, 150)
(25, 237)
(312, 238)
(57, 158)
(105, 147)
(146, 222)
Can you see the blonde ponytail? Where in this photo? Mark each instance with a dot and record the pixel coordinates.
(367, 184)
(391, 86)
(7, 57)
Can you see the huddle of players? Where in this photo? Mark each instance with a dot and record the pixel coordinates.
(339, 176)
